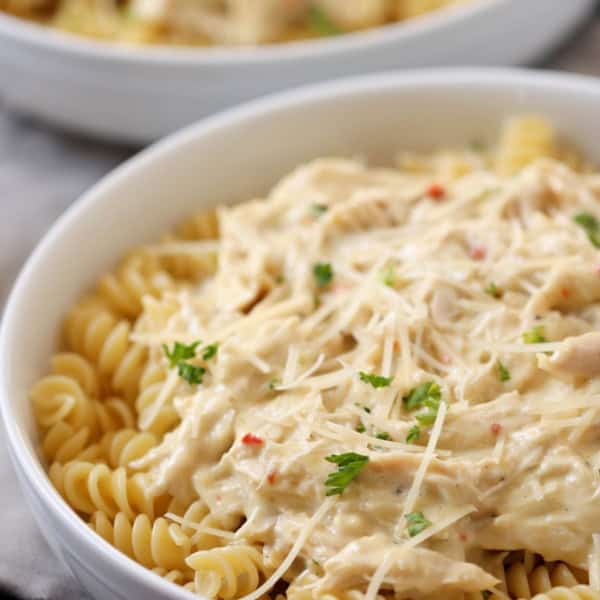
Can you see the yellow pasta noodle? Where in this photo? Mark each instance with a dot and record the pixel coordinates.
(229, 572)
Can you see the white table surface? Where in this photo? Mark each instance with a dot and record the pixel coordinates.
(42, 171)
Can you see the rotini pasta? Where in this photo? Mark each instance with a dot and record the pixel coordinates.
(92, 487)
(361, 388)
(526, 579)
(580, 592)
(155, 544)
(229, 572)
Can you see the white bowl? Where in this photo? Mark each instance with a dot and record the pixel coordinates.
(235, 156)
(140, 94)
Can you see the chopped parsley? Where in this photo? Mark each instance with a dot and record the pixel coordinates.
(377, 381)
(323, 273)
(191, 373)
(414, 433)
(383, 435)
(427, 417)
(420, 395)
(503, 372)
(180, 352)
(416, 522)
(364, 407)
(535, 336)
(210, 351)
(591, 226)
(279, 279)
(387, 275)
(349, 465)
(361, 427)
(320, 23)
(319, 209)
(493, 290)
(273, 383)
(427, 395)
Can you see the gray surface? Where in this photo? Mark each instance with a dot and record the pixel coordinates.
(41, 172)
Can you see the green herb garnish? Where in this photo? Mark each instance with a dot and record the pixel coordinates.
(414, 433)
(591, 226)
(535, 336)
(180, 352)
(361, 427)
(323, 273)
(383, 435)
(349, 465)
(320, 22)
(273, 383)
(210, 351)
(388, 275)
(319, 209)
(493, 290)
(191, 373)
(427, 417)
(377, 381)
(416, 523)
(503, 372)
(364, 407)
(417, 397)
(426, 395)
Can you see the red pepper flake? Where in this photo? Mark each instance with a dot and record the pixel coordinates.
(477, 253)
(271, 477)
(565, 293)
(396, 345)
(496, 428)
(436, 191)
(463, 536)
(252, 440)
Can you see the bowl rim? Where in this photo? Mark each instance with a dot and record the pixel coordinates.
(26, 463)
(51, 39)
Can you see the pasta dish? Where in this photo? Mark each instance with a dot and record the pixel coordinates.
(222, 22)
(374, 383)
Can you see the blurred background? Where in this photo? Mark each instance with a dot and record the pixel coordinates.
(42, 171)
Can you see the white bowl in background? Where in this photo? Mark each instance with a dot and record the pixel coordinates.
(139, 94)
(232, 157)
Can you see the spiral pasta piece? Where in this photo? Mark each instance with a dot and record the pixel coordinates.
(95, 332)
(114, 414)
(154, 403)
(63, 443)
(197, 521)
(228, 572)
(90, 487)
(174, 575)
(59, 398)
(579, 592)
(78, 368)
(154, 544)
(126, 445)
(524, 580)
(138, 276)
(524, 140)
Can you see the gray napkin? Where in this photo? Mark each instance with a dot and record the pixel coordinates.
(41, 172)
